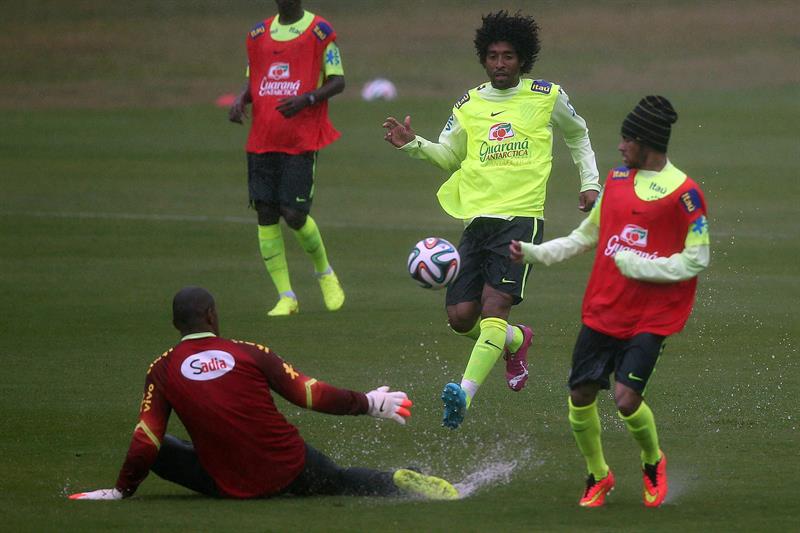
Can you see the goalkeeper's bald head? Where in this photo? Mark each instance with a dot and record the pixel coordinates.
(194, 311)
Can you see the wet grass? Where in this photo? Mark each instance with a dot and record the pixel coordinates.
(114, 201)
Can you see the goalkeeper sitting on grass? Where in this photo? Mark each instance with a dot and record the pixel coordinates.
(242, 446)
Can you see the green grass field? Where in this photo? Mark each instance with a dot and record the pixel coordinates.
(122, 183)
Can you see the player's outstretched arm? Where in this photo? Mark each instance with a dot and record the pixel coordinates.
(447, 154)
(238, 110)
(576, 137)
(393, 405)
(677, 267)
(587, 199)
(583, 238)
(398, 134)
(100, 494)
(292, 105)
(684, 265)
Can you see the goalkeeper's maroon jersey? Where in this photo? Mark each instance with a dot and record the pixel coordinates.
(221, 391)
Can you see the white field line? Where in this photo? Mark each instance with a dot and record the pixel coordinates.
(87, 215)
(716, 234)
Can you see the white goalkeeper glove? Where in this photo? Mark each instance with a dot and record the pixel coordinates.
(101, 494)
(385, 404)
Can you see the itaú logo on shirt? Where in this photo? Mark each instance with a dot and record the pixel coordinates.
(207, 365)
(500, 131)
(278, 71)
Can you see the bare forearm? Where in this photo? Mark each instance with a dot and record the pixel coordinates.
(244, 94)
(333, 85)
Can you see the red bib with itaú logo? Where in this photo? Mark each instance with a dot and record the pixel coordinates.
(623, 307)
(281, 69)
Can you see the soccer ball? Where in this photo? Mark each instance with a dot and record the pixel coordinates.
(433, 263)
(379, 89)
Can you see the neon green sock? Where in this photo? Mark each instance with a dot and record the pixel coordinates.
(642, 426)
(486, 351)
(473, 334)
(516, 338)
(270, 240)
(311, 241)
(585, 422)
(511, 331)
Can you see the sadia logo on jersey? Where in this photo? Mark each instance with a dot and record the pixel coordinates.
(208, 365)
(634, 235)
(278, 71)
(500, 131)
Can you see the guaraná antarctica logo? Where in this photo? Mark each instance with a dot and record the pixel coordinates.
(632, 238)
(500, 148)
(276, 83)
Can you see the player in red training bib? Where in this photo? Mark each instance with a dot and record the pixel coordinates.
(651, 236)
(294, 68)
(241, 445)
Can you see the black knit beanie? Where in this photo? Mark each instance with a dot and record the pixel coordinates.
(649, 122)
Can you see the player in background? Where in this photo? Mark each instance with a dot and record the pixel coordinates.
(651, 227)
(294, 68)
(497, 144)
(241, 445)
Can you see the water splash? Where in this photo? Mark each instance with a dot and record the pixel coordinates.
(489, 474)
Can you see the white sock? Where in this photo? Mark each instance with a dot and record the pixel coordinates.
(328, 270)
(470, 387)
(509, 334)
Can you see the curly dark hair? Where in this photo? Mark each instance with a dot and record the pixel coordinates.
(521, 31)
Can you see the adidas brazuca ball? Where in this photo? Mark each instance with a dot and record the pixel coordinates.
(434, 263)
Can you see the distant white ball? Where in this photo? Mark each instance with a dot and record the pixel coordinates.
(379, 89)
(434, 263)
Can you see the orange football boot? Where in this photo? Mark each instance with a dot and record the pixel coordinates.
(655, 482)
(596, 491)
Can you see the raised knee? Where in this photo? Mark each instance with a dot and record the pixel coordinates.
(581, 397)
(460, 322)
(628, 404)
(267, 214)
(294, 219)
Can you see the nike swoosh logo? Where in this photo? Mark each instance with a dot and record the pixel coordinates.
(490, 343)
(634, 377)
(504, 280)
(650, 497)
(495, 114)
(635, 212)
(298, 199)
(380, 409)
(270, 257)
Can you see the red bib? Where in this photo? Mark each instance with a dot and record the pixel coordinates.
(623, 307)
(280, 69)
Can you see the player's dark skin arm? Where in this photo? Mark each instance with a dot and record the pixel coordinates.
(238, 110)
(292, 105)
